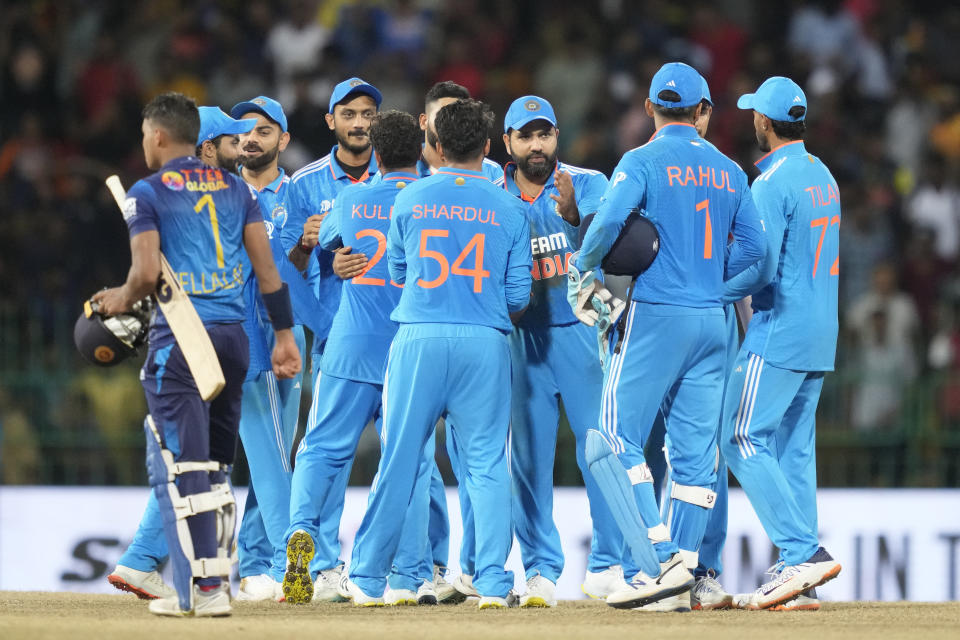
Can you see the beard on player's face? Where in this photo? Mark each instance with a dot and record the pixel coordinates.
(355, 140)
(228, 163)
(536, 164)
(254, 158)
(432, 138)
(762, 142)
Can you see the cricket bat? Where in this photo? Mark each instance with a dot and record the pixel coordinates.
(186, 325)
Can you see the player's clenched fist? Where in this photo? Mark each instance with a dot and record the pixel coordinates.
(348, 265)
(286, 357)
(311, 230)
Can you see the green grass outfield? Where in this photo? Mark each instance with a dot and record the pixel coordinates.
(39, 615)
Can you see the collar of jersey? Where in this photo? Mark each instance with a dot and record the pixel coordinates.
(181, 161)
(423, 168)
(399, 175)
(510, 184)
(273, 186)
(340, 174)
(792, 148)
(679, 129)
(466, 173)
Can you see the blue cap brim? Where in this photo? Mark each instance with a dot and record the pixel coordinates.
(361, 89)
(745, 101)
(243, 108)
(236, 127)
(522, 122)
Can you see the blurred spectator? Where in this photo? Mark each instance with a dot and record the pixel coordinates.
(866, 239)
(296, 45)
(886, 369)
(935, 205)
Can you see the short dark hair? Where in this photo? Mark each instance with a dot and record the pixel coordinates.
(177, 114)
(463, 128)
(675, 114)
(447, 89)
(791, 130)
(397, 137)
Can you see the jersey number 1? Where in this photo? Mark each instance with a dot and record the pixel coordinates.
(207, 201)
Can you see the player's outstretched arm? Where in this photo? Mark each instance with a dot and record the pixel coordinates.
(396, 254)
(141, 279)
(519, 265)
(749, 238)
(624, 194)
(276, 298)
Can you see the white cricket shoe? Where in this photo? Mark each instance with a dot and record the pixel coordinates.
(599, 584)
(444, 591)
(146, 585)
(679, 603)
(258, 588)
(707, 594)
(399, 597)
(791, 581)
(493, 602)
(326, 588)
(350, 591)
(541, 593)
(464, 585)
(297, 586)
(205, 604)
(642, 589)
(806, 601)
(426, 594)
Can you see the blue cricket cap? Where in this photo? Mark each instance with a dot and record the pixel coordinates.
(774, 99)
(680, 78)
(527, 109)
(350, 87)
(263, 105)
(706, 91)
(214, 123)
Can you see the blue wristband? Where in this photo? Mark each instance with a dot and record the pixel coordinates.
(279, 308)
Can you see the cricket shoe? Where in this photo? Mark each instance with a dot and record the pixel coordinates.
(146, 585)
(793, 580)
(444, 591)
(426, 594)
(326, 588)
(493, 602)
(399, 597)
(350, 591)
(679, 603)
(707, 594)
(806, 601)
(599, 584)
(642, 589)
(297, 585)
(214, 603)
(464, 585)
(541, 593)
(258, 588)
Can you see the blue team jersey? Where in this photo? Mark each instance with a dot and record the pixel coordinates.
(795, 317)
(491, 169)
(362, 329)
(696, 197)
(462, 247)
(313, 190)
(553, 241)
(200, 213)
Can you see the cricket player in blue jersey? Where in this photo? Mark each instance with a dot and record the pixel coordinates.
(312, 193)
(669, 353)
(707, 593)
(271, 407)
(218, 145)
(185, 435)
(350, 386)
(553, 357)
(460, 246)
(348, 265)
(771, 400)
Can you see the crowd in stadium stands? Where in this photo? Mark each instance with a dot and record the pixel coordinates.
(881, 77)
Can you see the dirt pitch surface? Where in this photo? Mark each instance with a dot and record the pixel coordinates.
(39, 615)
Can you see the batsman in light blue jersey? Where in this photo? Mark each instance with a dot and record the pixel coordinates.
(771, 401)
(313, 192)
(460, 246)
(190, 441)
(350, 386)
(668, 352)
(554, 358)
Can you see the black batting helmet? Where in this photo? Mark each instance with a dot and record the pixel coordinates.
(635, 248)
(109, 340)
